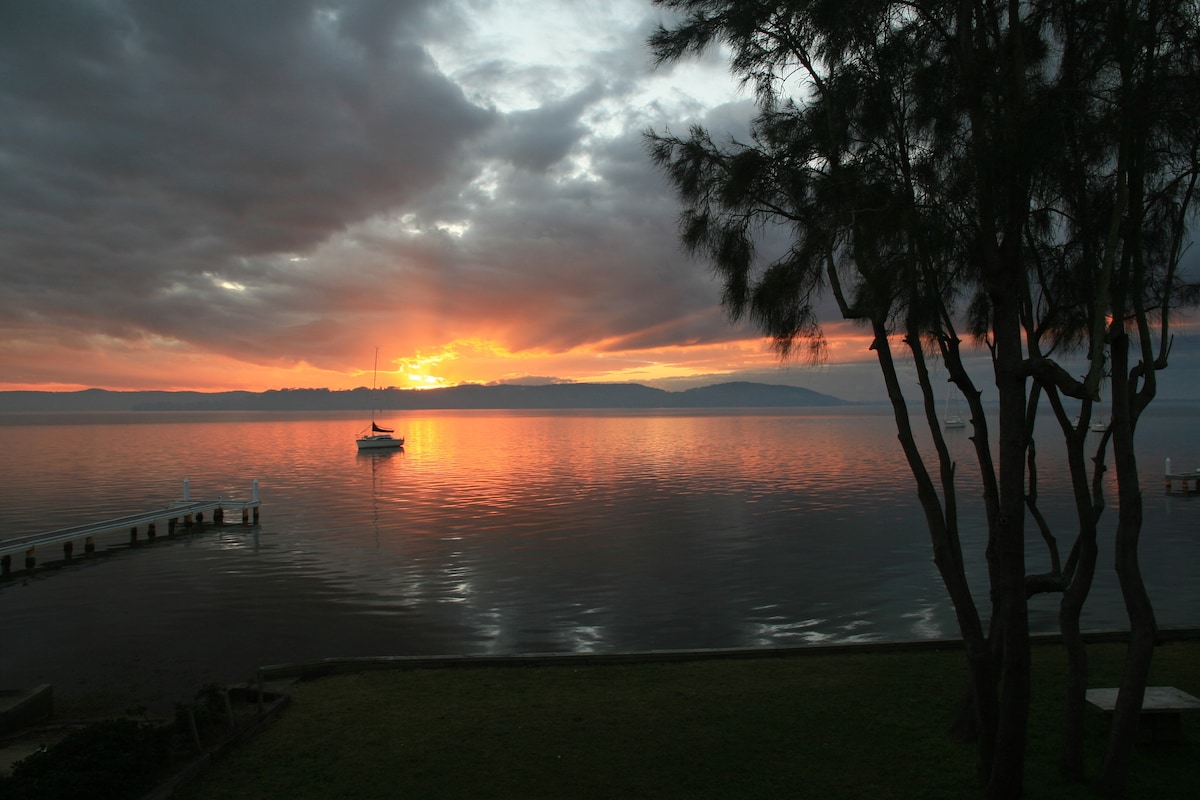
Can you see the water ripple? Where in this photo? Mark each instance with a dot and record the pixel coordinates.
(499, 532)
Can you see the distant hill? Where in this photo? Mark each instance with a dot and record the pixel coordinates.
(470, 396)
(741, 394)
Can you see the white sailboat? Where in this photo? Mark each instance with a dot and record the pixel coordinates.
(377, 437)
(1097, 424)
(952, 419)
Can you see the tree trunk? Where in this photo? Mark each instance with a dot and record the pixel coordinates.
(1012, 629)
(975, 723)
(1012, 625)
(1071, 758)
(1082, 572)
(947, 556)
(1142, 632)
(1142, 625)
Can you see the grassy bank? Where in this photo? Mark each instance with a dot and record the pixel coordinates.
(843, 725)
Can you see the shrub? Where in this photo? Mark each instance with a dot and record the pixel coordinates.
(109, 760)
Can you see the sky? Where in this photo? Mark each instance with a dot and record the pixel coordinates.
(256, 195)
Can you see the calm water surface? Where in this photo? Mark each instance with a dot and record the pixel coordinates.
(507, 532)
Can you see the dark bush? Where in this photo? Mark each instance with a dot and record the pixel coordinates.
(109, 760)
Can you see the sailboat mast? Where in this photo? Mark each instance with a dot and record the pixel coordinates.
(374, 378)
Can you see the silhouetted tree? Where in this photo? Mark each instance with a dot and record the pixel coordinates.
(1021, 171)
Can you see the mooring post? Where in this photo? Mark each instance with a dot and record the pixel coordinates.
(30, 560)
(254, 497)
(89, 545)
(245, 515)
(133, 535)
(171, 523)
(1167, 474)
(151, 531)
(187, 521)
(68, 548)
(219, 516)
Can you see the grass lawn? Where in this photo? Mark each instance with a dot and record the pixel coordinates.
(853, 724)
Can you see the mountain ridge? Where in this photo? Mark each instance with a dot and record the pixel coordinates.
(734, 394)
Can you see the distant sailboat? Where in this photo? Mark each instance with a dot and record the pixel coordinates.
(377, 437)
(952, 419)
(1097, 424)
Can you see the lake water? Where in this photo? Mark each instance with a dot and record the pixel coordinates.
(509, 532)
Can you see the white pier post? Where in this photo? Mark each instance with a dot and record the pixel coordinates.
(1167, 475)
(254, 491)
(187, 490)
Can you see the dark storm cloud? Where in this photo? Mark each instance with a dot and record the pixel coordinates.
(263, 180)
(539, 138)
(579, 259)
(147, 142)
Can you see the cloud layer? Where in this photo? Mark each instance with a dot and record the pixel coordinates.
(254, 195)
(242, 188)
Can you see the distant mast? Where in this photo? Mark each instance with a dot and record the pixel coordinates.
(374, 378)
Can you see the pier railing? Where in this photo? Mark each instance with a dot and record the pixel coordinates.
(186, 511)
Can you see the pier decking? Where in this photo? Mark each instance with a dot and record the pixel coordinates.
(187, 511)
(1189, 482)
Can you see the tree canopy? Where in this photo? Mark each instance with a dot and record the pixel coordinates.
(1019, 174)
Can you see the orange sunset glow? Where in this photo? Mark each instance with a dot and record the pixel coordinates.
(400, 366)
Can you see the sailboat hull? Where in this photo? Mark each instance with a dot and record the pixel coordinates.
(379, 441)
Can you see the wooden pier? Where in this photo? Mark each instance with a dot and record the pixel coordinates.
(1189, 482)
(187, 512)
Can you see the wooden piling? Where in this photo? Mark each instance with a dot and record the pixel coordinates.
(5, 565)
(89, 545)
(68, 549)
(151, 531)
(30, 560)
